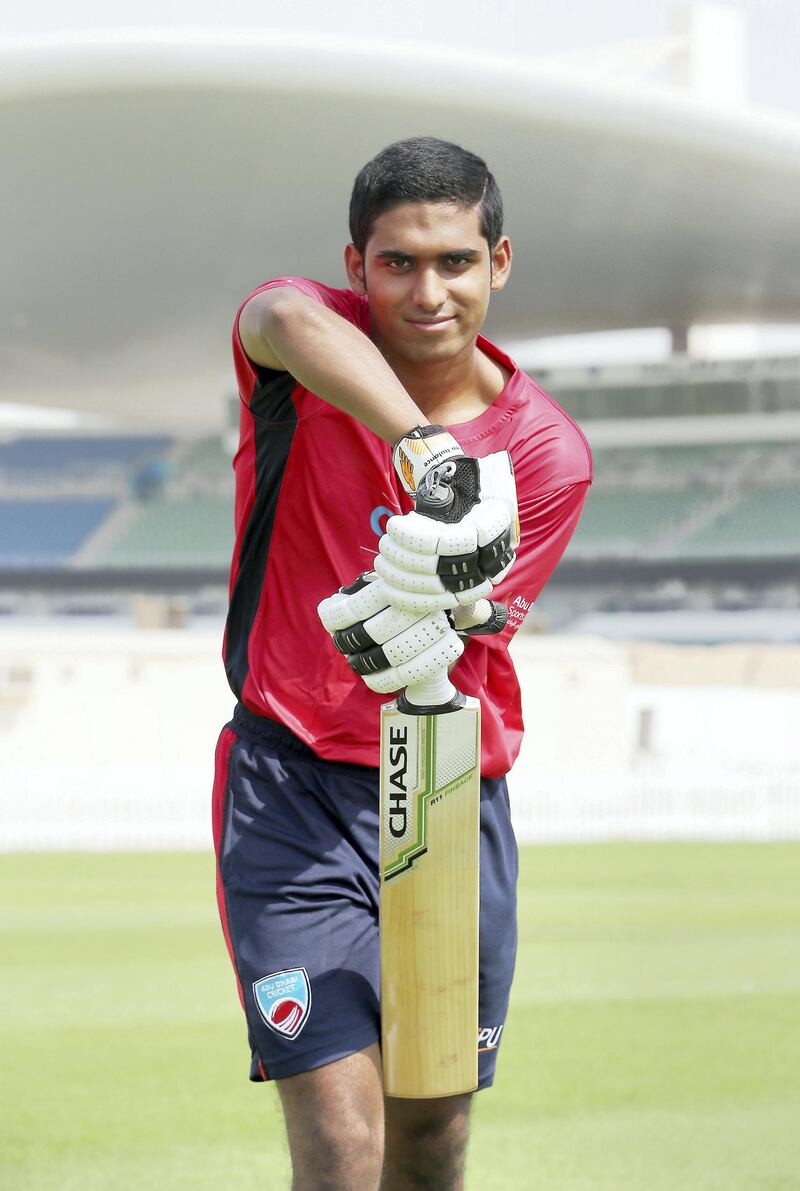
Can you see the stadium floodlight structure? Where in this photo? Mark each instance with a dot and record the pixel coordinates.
(151, 179)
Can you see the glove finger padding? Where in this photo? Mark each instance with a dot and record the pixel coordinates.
(375, 630)
(410, 581)
(401, 648)
(359, 600)
(415, 533)
(387, 646)
(403, 559)
(421, 557)
(419, 669)
(420, 605)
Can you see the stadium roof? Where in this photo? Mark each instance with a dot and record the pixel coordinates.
(151, 180)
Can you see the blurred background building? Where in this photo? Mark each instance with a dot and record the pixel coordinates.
(650, 165)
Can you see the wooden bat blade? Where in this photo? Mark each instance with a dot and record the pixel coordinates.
(430, 830)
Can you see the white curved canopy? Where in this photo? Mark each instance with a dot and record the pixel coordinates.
(150, 181)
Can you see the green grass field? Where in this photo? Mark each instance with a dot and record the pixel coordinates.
(653, 1043)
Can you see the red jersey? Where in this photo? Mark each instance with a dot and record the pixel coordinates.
(313, 490)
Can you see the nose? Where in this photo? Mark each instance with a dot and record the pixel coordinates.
(429, 291)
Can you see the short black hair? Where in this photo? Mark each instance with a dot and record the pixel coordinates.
(424, 169)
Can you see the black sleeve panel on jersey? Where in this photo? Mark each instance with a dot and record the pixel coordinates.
(274, 425)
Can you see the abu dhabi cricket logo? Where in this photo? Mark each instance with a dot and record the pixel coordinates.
(284, 1000)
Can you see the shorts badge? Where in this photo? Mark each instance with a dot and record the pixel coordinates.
(284, 1000)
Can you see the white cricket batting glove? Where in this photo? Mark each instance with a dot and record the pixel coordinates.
(459, 542)
(391, 648)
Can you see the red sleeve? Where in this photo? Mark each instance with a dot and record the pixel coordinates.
(553, 471)
(547, 522)
(342, 301)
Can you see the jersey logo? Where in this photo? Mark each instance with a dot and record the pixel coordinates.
(378, 519)
(284, 1000)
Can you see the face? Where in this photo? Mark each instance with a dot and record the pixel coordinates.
(428, 275)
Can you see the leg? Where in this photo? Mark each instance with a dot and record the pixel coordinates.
(297, 856)
(426, 1144)
(334, 1122)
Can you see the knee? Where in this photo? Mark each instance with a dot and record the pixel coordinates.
(334, 1122)
(346, 1152)
(350, 1136)
(426, 1150)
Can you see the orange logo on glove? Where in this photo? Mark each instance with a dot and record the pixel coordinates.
(407, 468)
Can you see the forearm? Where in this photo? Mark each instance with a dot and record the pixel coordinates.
(335, 360)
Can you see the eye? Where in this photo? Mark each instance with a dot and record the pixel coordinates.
(398, 264)
(457, 260)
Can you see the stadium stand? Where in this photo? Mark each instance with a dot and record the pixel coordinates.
(763, 523)
(174, 533)
(64, 455)
(701, 501)
(47, 533)
(61, 493)
(615, 525)
(209, 459)
(144, 511)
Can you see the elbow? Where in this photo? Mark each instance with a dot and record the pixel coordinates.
(277, 308)
(266, 322)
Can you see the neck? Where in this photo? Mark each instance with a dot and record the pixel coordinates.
(450, 391)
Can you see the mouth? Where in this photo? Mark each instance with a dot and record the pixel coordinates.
(431, 325)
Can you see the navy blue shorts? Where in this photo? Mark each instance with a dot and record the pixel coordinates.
(297, 864)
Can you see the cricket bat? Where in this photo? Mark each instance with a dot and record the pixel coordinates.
(429, 894)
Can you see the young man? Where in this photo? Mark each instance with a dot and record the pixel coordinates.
(329, 380)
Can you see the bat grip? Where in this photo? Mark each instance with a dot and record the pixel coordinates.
(434, 696)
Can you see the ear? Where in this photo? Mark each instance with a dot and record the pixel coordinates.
(501, 263)
(354, 265)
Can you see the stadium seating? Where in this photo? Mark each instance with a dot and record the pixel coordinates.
(208, 458)
(715, 501)
(172, 503)
(46, 533)
(764, 523)
(54, 455)
(617, 524)
(173, 533)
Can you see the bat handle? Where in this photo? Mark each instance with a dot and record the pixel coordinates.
(433, 696)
